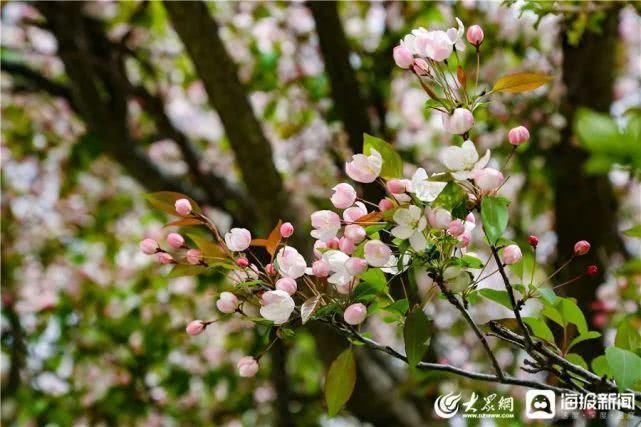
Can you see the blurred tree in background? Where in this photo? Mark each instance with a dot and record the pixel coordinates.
(252, 108)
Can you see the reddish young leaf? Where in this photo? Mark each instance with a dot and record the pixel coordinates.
(272, 241)
(185, 221)
(370, 217)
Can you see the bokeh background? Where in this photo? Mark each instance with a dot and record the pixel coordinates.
(251, 109)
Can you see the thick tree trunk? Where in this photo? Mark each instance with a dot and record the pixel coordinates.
(585, 206)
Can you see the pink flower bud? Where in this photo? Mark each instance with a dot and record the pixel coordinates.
(183, 207)
(149, 246)
(287, 284)
(247, 367)
(533, 241)
(385, 205)
(270, 269)
(592, 270)
(320, 268)
(175, 240)
(420, 67)
(456, 228)
(355, 266)
(402, 56)
(286, 230)
(355, 233)
(377, 253)
(396, 186)
(465, 239)
(333, 243)
(194, 256)
(581, 247)
(195, 327)
(475, 35)
(227, 302)
(165, 258)
(459, 122)
(344, 196)
(355, 314)
(355, 212)
(488, 179)
(512, 254)
(346, 245)
(242, 262)
(518, 135)
(318, 245)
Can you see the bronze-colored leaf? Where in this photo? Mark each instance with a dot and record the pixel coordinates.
(370, 217)
(520, 82)
(208, 248)
(272, 241)
(184, 221)
(460, 75)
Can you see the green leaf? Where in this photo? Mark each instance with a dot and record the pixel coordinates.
(400, 307)
(577, 360)
(309, 307)
(165, 201)
(590, 335)
(597, 131)
(340, 382)
(208, 248)
(600, 366)
(625, 366)
(472, 262)
(572, 314)
(539, 328)
(186, 270)
(416, 332)
(520, 82)
(634, 231)
(392, 163)
(628, 336)
(452, 198)
(499, 297)
(494, 214)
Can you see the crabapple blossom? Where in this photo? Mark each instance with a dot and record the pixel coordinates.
(355, 314)
(512, 254)
(460, 121)
(287, 284)
(435, 45)
(344, 196)
(270, 269)
(488, 180)
(518, 135)
(320, 268)
(592, 270)
(242, 262)
(346, 245)
(439, 218)
(464, 239)
(340, 277)
(238, 239)
(424, 189)
(475, 35)
(402, 56)
(194, 257)
(581, 247)
(175, 240)
(411, 223)
(421, 67)
(247, 367)
(286, 230)
(364, 168)
(396, 186)
(195, 327)
(290, 263)
(385, 205)
(149, 246)
(326, 224)
(456, 227)
(355, 212)
(183, 207)
(355, 233)
(277, 306)
(533, 241)
(456, 35)
(227, 302)
(333, 243)
(165, 258)
(318, 246)
(377, 253)
(463, 161)
(355, 266)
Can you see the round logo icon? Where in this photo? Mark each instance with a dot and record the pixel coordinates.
(447, 406)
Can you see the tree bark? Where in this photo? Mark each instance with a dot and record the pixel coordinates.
(585, 205)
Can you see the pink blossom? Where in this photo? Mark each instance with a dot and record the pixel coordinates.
(355, 266)
(227, 302)
(421, 67)
(238, 239)
(193, 256)
(355, 314)
(355, 212)
(183, 207)
(581, 247)
(326, 224)
(242, 262)
(397, 186)
(385, 205)
(488, 179)
(377, 253)
(165, 258)
(364, 168)
(518, 135)
(465, 239)
(475, 35)
(277, 306)
(436, 45)
(290, 263)
(456, 228)
(346, 245)
(149, 246)
(318, 245)
(344, 196)
(270, 269)
(175, 240)
(512, 254)
(286, 230)
(333, 243)
(460, 121)
(320, 268)
(287, 284)
(355, 233)
(402, 56)
(247, 367)
(439, 218)
(195, 327)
